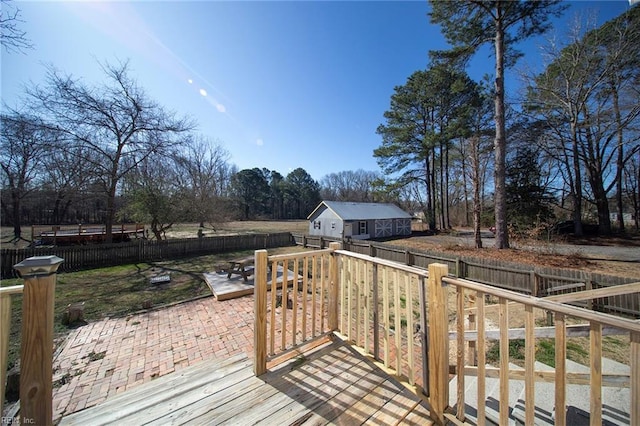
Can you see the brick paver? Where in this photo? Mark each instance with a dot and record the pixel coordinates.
(107, 357)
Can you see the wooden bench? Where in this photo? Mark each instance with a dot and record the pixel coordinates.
(243, 267)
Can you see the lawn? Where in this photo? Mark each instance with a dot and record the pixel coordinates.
(123, 290)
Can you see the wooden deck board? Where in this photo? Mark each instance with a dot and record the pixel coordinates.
(155, 395)
(333, 385)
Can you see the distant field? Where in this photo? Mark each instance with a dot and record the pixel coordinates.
(182, 230)
(188, 230)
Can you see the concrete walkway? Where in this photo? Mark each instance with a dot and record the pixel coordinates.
(107, 357)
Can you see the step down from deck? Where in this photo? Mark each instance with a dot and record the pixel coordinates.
(616, 402)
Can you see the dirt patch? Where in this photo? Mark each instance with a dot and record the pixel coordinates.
(543, 255)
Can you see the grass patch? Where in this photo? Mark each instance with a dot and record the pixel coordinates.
(545, 351)
(516, 350)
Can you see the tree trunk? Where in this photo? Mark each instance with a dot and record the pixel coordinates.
(157, 232)
(446, 186)
(431, 218)
(477, 185)
(17, 229)
(443, 224)
(620, 159)
(110, 216)
(577, 182)
(500, 142)
(463, 161)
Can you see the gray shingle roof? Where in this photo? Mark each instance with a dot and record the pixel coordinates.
(363, 211)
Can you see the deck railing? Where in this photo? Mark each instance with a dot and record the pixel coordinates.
(389, 311)
(381, 313)
(300, 307)
(471, 297)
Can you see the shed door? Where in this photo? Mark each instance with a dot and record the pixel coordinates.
(384, 228)
(403, 227)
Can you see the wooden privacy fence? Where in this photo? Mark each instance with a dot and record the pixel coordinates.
(101, 255)
(536, 281)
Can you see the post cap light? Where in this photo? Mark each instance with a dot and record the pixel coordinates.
(38, 265)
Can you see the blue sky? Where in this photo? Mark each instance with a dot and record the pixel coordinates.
(280, 85)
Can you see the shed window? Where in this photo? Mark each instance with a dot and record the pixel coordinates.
(316, 224)
(333, 225)
(362, 227)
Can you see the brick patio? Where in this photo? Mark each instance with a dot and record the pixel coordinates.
(107, 357)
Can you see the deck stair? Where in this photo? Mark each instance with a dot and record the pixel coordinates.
(615, 401)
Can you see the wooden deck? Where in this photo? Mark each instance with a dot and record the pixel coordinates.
(333, 385)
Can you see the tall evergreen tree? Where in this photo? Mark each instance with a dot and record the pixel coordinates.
(467, 25)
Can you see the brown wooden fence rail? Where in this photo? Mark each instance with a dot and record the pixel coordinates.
(536, 281)
(101, 255)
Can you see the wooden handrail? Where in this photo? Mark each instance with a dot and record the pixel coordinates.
(307, 303)
(358, 283)
(579, 296)
(549, 305)
(599, 324)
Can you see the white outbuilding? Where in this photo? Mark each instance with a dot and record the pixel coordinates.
(339, 219)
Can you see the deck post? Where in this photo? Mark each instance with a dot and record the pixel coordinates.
(333, 287)
(36, 350)
(260, 312)
(438, 351)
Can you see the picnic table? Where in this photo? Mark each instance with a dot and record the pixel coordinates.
(243, 267)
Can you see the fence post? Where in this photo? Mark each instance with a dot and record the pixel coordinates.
(260, 312)
(333, 287)
(588, 285)
(36, 350)
(438, 342)
(534, 283)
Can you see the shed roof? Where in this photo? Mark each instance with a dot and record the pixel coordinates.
(361, 211)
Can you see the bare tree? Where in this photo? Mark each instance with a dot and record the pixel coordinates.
(115, 123)
(64, 178)
(12, 38)
(153, 194)
(349, 185)
(588, 101)
(24, 142)
(204, 175)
